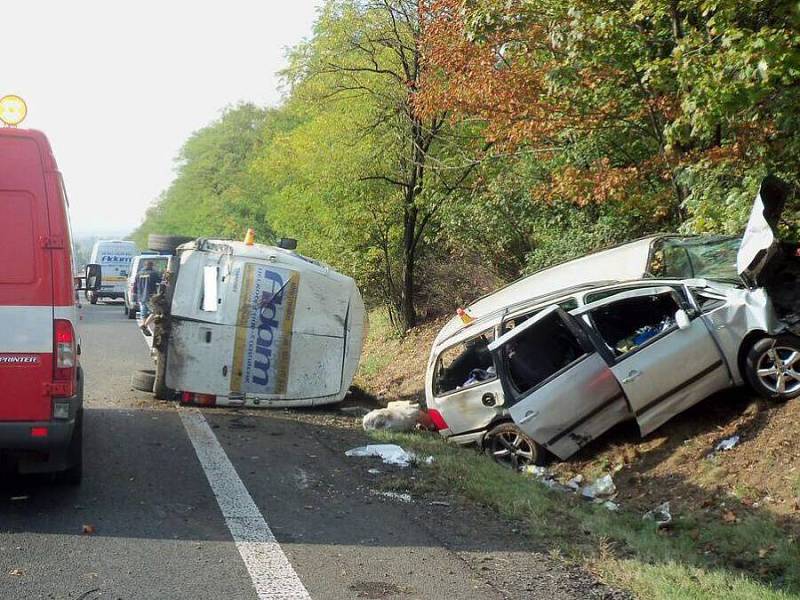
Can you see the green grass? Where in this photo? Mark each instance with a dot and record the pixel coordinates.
(700, 557)
(377, 355)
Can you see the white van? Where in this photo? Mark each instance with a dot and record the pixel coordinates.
(115, 258)
(256, 325)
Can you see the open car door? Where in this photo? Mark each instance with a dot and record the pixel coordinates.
(559, 388)
(664, 359)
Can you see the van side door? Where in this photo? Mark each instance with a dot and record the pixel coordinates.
(558, 387)
(663, 368)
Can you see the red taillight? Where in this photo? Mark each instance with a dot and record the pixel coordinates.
(38, 432)
(65, 355)
(437, 418)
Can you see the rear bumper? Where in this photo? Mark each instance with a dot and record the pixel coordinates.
(41, 454)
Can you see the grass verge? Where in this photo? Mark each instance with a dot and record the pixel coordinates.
(750, 557)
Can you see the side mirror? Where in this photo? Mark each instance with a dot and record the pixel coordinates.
(94, 277)
(682, 319)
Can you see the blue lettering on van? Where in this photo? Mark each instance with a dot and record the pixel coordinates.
(267, 325)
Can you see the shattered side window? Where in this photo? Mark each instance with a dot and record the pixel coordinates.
(464, 365)
(540, 352)
(628, 324)
(509, 324)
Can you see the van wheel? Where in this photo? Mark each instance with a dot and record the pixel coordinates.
(143, 380)
(509, 446)
(132, 313)
(772, 367)
(74, 474)
(91, 297)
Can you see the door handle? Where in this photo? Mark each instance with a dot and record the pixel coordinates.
(528, 416)
(635, 374)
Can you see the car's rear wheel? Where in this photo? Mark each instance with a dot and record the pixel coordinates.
(143, 380)
(509, 446)
(772, 367)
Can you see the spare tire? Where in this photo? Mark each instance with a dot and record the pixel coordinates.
(166, 244)
(143, 380)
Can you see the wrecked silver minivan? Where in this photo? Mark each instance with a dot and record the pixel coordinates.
(569, 366)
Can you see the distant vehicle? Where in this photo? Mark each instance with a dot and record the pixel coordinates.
(253, 325)
(139, 263)
(41, 381)
(115, 258)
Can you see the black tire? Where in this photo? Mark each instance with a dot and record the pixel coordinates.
(91, 297)
(73, 475)
(761, 359)
(166, 243)
(131, 313)
(143, 380)
(125, 307)
(511, 447)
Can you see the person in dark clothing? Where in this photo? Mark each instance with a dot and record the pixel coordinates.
(147, 285)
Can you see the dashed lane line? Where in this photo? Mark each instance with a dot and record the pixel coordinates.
(273, 575)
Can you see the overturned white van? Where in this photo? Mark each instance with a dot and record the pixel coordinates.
(255, 325)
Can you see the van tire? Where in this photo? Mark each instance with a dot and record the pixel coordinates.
(166, 243)
(73, 475)
(143, 380)
(91, 297)
(131, 313)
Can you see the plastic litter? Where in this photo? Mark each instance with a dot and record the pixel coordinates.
(575, 482)
(536, 471)
(612, 506)
(390, 454)
(397, 416)
(660, 514)
(602, 487)
(727, 444)
(400, 497)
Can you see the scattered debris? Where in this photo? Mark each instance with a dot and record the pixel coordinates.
(612, 506)
(575, 482)
(729, 516)
(391, 454)
(374, 471)
(400, 497)
(19, 498)
(88, 529)
(536, 471)
(397, 416)
(602, 487)
(439, 503)
(727, 444)
(660, 514)
(16, 572)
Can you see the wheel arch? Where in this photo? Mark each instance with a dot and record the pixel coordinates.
(748, 342)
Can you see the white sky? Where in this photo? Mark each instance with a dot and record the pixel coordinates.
(119, 86)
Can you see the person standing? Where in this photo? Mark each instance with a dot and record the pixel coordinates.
(147, 285)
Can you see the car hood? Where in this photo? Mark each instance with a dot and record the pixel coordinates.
(760, 243)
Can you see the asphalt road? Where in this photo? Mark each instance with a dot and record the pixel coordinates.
(158, 530)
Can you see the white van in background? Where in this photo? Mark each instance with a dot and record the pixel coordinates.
(115, 258)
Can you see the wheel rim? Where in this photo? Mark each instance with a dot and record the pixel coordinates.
(512, 449)
(777, 370)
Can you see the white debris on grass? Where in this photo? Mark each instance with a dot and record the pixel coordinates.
(660, 514)
(397, 416)
(727, 444)
(390, 454)
(602, 487)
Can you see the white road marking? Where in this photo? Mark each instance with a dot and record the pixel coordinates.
(271, 572)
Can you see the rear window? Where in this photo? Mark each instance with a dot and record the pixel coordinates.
(465, 365)
(540, 352)
(17, 245)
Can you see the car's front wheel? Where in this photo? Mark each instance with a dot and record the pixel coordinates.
(511, 447)
(773, 367)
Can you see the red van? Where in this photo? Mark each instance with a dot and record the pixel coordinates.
(41, 382)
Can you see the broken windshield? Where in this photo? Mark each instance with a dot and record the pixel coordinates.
(706, 257)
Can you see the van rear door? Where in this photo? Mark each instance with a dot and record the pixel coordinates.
(26, 287)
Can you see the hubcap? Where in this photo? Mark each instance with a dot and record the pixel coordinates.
(511, 449)
(777, 370)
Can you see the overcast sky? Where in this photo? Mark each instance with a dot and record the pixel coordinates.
(119, 86)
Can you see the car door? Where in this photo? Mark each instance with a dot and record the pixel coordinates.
(558, 387)
(664, 362)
